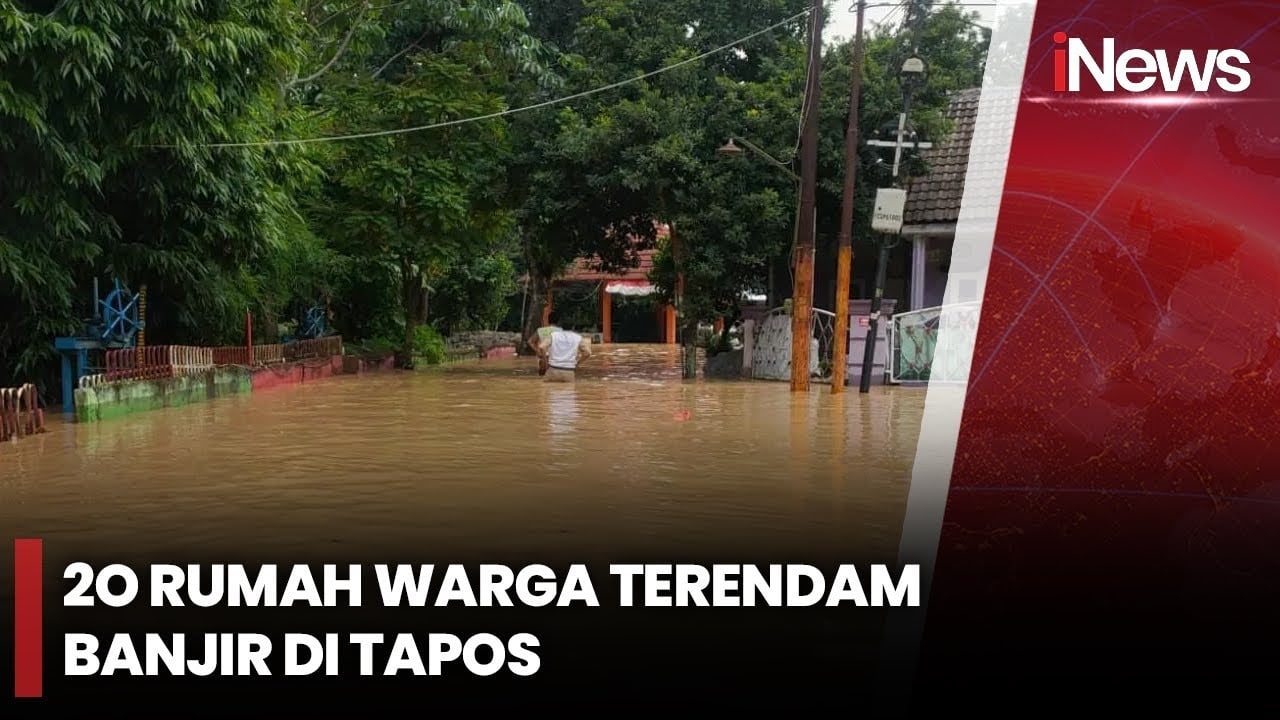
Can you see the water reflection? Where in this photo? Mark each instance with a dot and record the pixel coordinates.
(562, 404)
(485, 456)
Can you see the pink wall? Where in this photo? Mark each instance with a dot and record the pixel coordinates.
(311, 370)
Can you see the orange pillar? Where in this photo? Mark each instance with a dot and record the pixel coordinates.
(606, 317)
(671, 324)
(719, 325)
(546, 311)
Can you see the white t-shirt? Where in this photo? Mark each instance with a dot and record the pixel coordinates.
(563, 352)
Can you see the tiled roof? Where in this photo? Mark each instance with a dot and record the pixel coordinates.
(585, 270)
(588, 269)
(935, 198)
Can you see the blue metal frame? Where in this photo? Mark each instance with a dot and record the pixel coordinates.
(313, 323)
(120, 317)
(73, 349)
(115, 325)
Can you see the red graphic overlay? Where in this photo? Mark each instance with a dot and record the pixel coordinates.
(1119, 435)
(1060, 63)
(28, 619)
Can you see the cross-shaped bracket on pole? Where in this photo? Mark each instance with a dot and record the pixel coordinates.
(899, 145)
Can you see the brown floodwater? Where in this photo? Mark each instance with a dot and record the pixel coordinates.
(481, 457)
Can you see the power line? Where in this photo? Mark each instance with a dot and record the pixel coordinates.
(884, 21)
(804, 95)
(904, 4)
(512, 111)
(894, 7)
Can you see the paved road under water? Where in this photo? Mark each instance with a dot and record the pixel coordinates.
(482, 457)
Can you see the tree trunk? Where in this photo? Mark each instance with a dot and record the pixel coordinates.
(689, 350)
(414, 304)
(538, 285)
(725, 345)
(689, 326)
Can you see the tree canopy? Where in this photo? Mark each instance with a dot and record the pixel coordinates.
(181, 145)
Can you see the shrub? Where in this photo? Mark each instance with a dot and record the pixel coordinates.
(379, 346)
(428, 345)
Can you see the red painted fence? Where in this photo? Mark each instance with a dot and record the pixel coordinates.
(165, 361)
(231, 355)
(319, 347)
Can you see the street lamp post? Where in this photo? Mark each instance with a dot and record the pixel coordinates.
(912, 72)
(729, 149)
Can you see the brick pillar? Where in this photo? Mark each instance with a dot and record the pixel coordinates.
(606, 317)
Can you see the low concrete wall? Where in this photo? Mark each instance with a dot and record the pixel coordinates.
(108, 401)
(724, 366)
(360, 366)
(118, 399)
(296, 373)
(483, 340)
(267, 378)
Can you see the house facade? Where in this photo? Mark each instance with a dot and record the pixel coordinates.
(933, 206)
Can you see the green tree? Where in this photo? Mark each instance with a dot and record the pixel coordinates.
(611, 166)
(474, 293)
(107, 110)
(419, 205)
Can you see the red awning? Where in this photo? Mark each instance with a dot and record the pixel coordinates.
(631, 288)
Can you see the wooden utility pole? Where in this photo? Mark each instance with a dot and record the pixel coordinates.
(844, 260)
(802, 294)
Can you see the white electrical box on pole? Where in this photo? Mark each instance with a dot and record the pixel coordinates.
(890, 206)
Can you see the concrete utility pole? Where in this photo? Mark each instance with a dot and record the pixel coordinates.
(912, 74)
(802, 293)
(844, 260)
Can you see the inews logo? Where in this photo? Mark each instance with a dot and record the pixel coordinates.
(1138, 71)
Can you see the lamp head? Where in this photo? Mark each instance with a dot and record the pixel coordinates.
(729, 149)
(913, 67)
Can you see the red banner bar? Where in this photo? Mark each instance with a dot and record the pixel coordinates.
(28, 618)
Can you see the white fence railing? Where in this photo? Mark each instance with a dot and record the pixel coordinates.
(913, 342)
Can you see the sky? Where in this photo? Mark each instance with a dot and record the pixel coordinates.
(841, 21)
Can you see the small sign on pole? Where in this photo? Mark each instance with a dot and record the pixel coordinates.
(890, 204)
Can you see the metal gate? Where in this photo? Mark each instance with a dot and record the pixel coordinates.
(771, 356)
(913, 341)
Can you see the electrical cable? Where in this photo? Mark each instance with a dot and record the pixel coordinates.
(871, 6)
(804, 114)
(804, 100)
(884, 21)
(493, 116)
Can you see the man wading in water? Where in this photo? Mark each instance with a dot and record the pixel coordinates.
(564, 351)
(542, 340)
